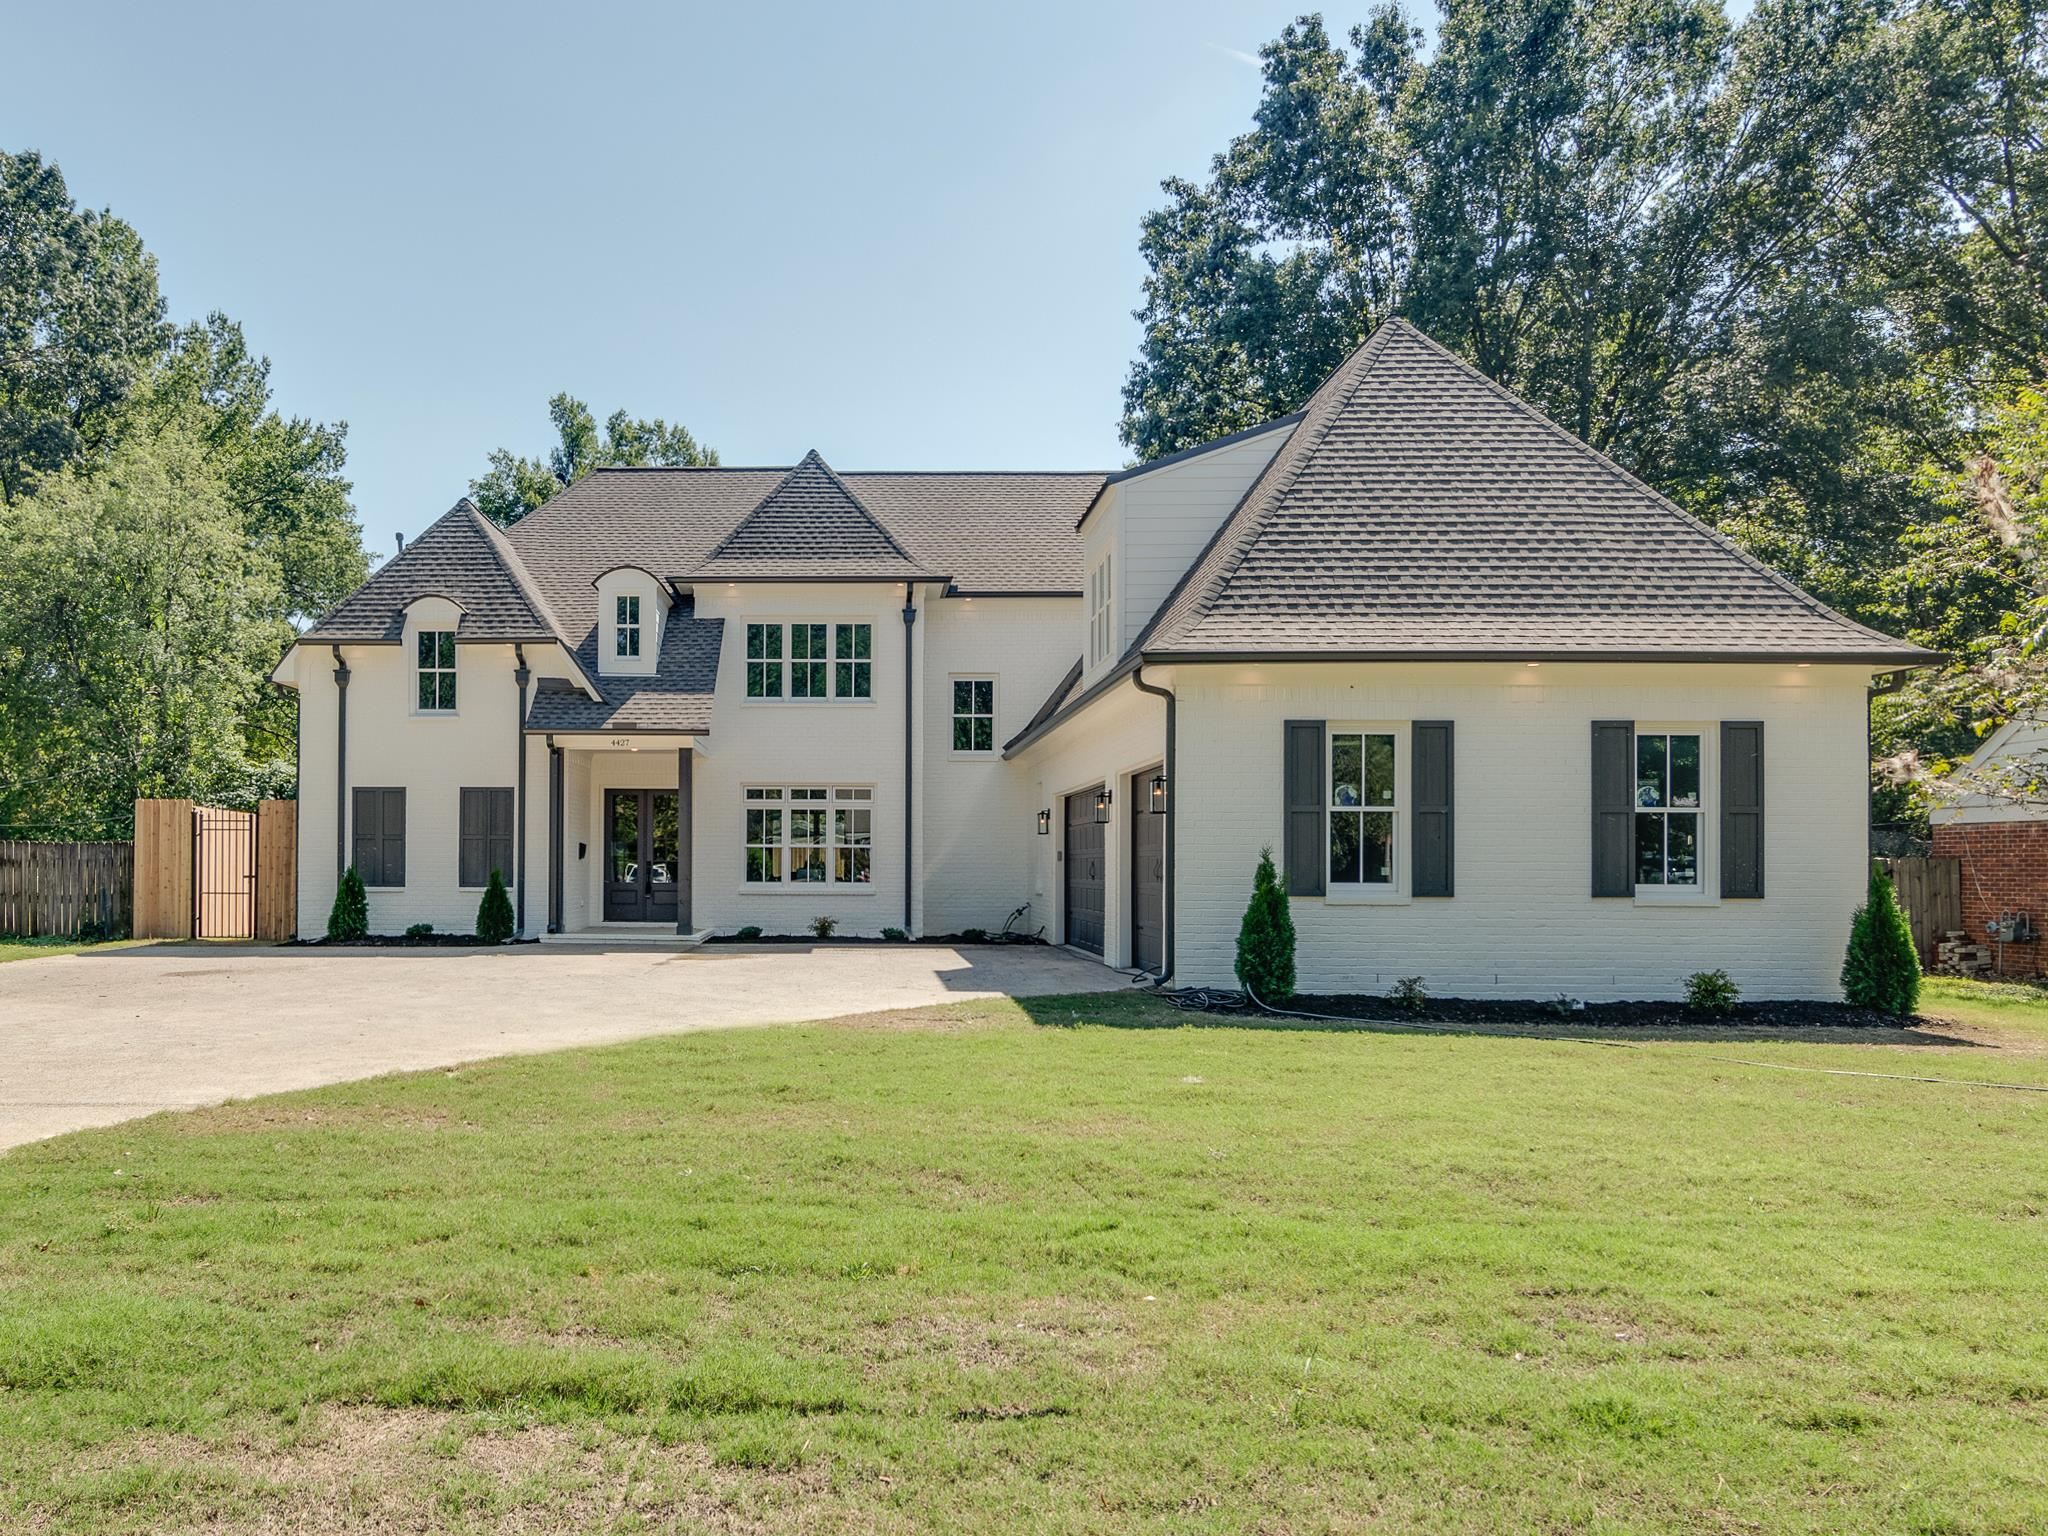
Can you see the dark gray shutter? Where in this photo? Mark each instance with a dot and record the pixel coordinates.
(1742, 808)
(366, 845)
(499, 854)
(1302, 792)
(1614, 807)
(1430, 797)
(391, 837)
(476, 830)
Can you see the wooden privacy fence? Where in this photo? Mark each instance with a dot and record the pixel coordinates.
(55, 890)
(203, 872)
(1931, 891)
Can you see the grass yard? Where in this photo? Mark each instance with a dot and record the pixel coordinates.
(1067, 1265)
(36, 949)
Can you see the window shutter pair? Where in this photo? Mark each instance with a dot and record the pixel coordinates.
(486, 835)
(379, 842)
(1430, 794)
(1742, 808)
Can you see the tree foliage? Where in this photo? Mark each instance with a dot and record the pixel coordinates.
(494, 918)
(1881, 969)
(1265, 939)
(513, 486)
(349, 917)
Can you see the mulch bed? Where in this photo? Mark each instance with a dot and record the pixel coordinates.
(947, 940)
(410, 941)
(1623, 1015)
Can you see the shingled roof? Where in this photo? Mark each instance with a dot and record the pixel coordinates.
(1421, 510)
(810, 527)
(464, 557)
(677, 697)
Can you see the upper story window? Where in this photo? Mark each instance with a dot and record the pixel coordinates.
(1099, 637)
(1364, 808)
(437, 669)
(974, 714)
(1668, 809)
(628, 626)
(810, 661)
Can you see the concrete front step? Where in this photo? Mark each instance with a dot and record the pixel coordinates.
(653, 935)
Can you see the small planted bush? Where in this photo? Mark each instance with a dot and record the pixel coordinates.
(974, 935)
(1265, 940)
(895, 935)
(1882, 969)
(494, 913)
(748, 934)
(824, 927)
(1408, 994)
(349, 917)
(419, 930)
(1712, 992)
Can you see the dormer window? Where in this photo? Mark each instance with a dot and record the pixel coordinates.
(437, 670)
(628, 627)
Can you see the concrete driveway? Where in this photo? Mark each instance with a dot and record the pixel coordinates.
(95, 1038)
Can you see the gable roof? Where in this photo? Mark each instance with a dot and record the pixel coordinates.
(810, 527)
(1421, 510)
(464, 557)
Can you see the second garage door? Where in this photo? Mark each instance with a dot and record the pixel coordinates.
(1084, 872)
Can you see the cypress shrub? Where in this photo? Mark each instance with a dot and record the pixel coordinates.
(1881, 970)
(1265, 941)
(349, 917)
(494, 916)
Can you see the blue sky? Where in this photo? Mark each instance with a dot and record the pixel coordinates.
(903, 235)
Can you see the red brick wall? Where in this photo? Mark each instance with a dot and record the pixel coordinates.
(2004, 869)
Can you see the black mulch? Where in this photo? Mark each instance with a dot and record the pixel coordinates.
(1623, 1015)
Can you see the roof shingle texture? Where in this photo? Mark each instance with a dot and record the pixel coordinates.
(811, 526)
(677, 697)
(1421, 508)
(465, 557)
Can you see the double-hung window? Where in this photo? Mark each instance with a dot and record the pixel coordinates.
(810, 661)
(436, 655)
(1364, 810)
(1667, 809)
(974, 714)
(809, 835)
(628, 626)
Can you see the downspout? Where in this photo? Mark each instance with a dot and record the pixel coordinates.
(1172, 800)
(522, 675)
(909, 743)
(340, 767)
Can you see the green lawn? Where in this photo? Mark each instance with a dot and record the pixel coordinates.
(37, 949)
(1068, 1265)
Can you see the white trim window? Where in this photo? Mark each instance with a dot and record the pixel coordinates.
(1099, 633)
(809, 834)
(1365, 805)
(810, 661)
(974, 716)
(627, 627)
(435, 653)
(1669, 797)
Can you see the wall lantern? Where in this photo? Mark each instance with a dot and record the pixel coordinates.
(1045, 823)
(1158, 802)
(1102, 807)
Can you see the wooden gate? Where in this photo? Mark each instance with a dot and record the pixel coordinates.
(203, 872)
(223, 874)
(1931, 891)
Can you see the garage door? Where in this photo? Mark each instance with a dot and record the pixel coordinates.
(1084, 871)
(1148, 878)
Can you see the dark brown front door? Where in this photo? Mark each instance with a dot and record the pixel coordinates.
(1148, 877)
(643, 847)
(1084, 871)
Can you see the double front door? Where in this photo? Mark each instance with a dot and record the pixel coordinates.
(643, 851)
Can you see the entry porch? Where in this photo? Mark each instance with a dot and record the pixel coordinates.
(620, 844)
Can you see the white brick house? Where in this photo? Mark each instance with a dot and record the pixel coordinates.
(1509, 720)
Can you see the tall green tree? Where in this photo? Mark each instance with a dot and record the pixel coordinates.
(513, 486)
(137, 623)
(80, 322)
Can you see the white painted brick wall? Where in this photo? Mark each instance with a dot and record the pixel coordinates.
(1523, 923)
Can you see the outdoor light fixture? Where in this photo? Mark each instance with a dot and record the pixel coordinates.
(1158, 805)
(1045, 823)
(1102, 807)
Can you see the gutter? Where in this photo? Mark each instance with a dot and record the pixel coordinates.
(1172, 799)
(909, 742)
(522, 675)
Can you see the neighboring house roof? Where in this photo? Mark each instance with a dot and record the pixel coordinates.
(675, 698)
(810, 527)
(2001, 780)
(1419, 509)
(463, 557)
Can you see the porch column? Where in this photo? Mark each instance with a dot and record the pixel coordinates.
(685, 839)
(554, 837)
